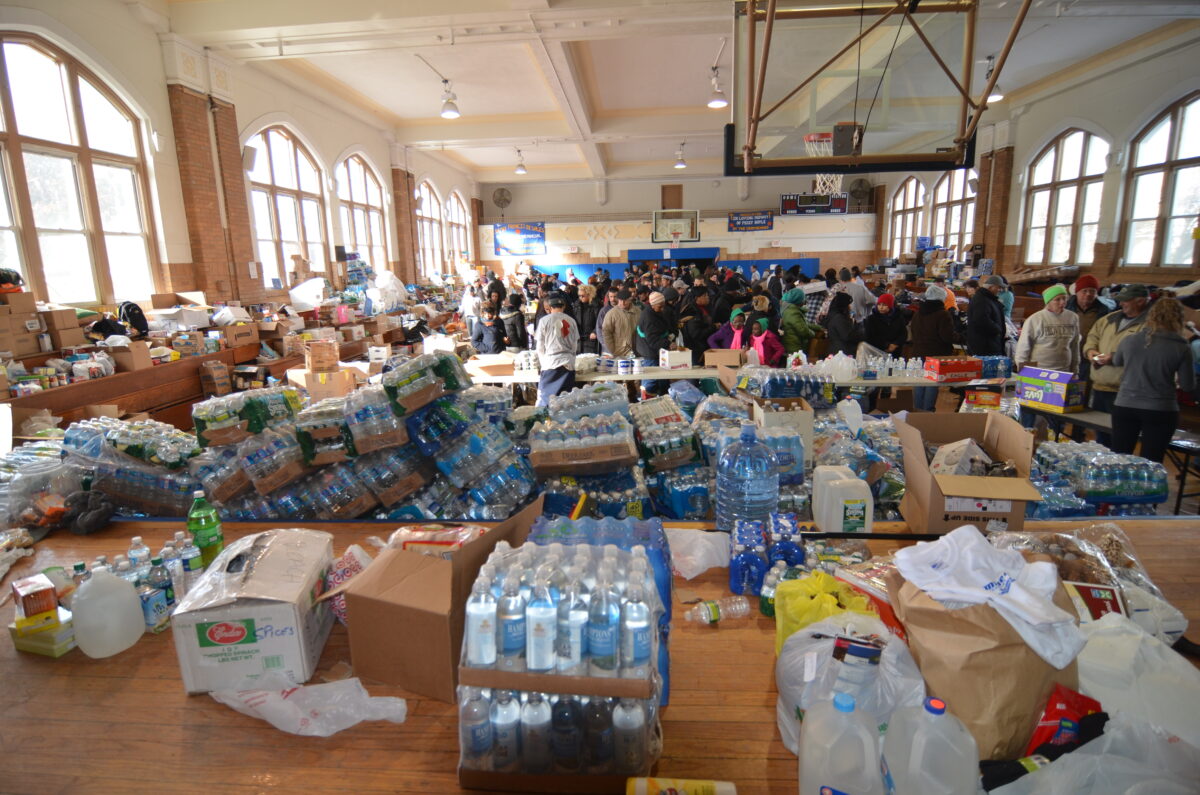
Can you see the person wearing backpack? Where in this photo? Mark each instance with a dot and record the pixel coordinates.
(133, 318)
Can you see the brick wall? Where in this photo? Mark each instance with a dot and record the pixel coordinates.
(405, 265)
(198, 178)
(237, 210)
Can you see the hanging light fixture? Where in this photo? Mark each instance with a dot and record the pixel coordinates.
(449, 107)
(520, 169)
(679, 161)
(996, 94)
(716, 99)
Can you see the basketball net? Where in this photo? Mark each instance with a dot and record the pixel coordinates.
(821, 145)
(675, 239)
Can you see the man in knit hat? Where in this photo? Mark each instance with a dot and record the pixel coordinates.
(1086, 303)
(655, 330)
(1102, 341)
(1050, 338)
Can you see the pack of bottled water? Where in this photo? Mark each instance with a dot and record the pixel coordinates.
(592, 431)
(618, 495)
(520, 420)
(251, 411)
(527, 362)
(371, 420)
(1101, 476)
(409, 377)
(440, 422)
(684, 493)
(687, 395)
(796, 498)
(586, 362)
(270, 457)
(490, 403)
(136, 488)
(720, 407)
(882, 368)
(996, 367)
(391, 474)
(322, 433)
(219, 471)
(590, 400)
(714, 434)
(665, 435)
(149, 441)
(467, 458)
(811, 382)
(789, 451)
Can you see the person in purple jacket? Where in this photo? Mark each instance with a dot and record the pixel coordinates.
(733, 335)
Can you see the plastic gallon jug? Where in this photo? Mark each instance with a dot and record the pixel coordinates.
(839, 750)
(847, 506)
(107, 614)
(928, 751)
(821, 477)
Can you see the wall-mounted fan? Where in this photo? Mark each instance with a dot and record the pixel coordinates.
(501, 197)
(860, 193)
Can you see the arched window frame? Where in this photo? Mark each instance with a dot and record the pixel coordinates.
(954, 210)
(430, 243)
(1062, 213)
(277, 150)
(105, 218)
(908, 209)
(458, 225)
(360, 195)
(1177, 210)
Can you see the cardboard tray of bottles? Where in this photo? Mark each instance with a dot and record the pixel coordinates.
(601, 458)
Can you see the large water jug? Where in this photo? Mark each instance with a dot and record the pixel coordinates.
(847, 507)
(839, 750)
(821, 478)
(928, 751)
(747, 480)
(107, 614)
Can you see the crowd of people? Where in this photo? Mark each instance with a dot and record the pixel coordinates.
(1130, 346)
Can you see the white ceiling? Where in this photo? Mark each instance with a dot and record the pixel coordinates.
(609, 88)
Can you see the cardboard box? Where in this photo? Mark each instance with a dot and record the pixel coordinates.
(798, 416)
(19, 303)
(675, 360)
(187, 317)
(231, 315)
(321, 356)
(246, 334)
(1050, 390)
(941, 503)
(952, 368)
(437, 342)
(26, 345)
(135, 357)
(716, 357)
(485, 364)
(188, 343)
(266, 618)
(277, 329)
(602, 458)
(322, 385)
(353, 333)
(170, 300)
(405, 595)
(25, 323)
(250, 376)
(60, 319)
(8, 341)
(66, 337)
(214, 379)
(981, 399)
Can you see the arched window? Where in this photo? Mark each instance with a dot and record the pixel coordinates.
(1062, 200)
(289, 211)
(73, 198)
(908, 204)
(458, 223)
(954, 209)
(1162, 199)
(429, 230)
(361, 197)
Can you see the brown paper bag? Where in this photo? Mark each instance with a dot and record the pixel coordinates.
(977, 663)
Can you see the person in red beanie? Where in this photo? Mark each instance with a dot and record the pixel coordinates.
(1086, 303)
(887, 328)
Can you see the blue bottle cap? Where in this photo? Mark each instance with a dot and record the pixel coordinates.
(843, 702)
(935, 705)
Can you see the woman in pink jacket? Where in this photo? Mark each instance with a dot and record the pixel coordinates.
(766, 343)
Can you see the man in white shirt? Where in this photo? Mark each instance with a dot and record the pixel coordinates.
(556, 339)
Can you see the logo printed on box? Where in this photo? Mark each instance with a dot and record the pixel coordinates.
(226, 633)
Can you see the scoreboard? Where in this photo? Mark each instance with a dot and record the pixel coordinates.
(813, 203)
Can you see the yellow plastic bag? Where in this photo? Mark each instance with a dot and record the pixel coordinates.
(818, 596)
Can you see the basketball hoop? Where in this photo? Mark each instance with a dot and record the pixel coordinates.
(821, 145)
(675, 235)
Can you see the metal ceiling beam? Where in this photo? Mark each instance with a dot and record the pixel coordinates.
(830, 12)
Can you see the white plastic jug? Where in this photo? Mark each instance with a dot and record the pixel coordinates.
(107, 614)
(847, 506)
(928, 751)
(821, 478)
(839, 750)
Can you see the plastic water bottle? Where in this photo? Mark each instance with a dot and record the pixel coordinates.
(139, 557)
(566, 734)
(506, 732)
(747, 480)
(535, 735)
(928, 751)
(541, 627)
(193, 564)
(160, 578)
(839, 750)
(603, 629)
(635, 634)
(571, 642)
(481, 625)
(598, 736)
(107, 614)
(629, 737)
(205, 527)
(475, 730)
(712, 612)
(510, 625)
(766, 596)
(174, 563)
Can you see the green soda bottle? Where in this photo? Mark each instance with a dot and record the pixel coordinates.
(205, 527)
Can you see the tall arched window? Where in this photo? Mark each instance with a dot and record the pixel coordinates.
(362, 211)
(954, 209)
(1162, 199)
(289, 211)
(429, 230)
(1062, 200)
(458, 222)
(73, 198)
(908, 204)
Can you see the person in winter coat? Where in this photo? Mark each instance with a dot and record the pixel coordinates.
(1086, 303)
(731, 296)
(1050, 338)
(655, 331)
(489, 332)
(513, 318)
(468, 308)
(844, 333)
(797, 334)
(886, 327)
(932, 331)
(556, 339)
(695, 324)
(610, 303)
(760, 307)
(766, 343)
(733, 335)
(620, 325)
(585, 312)
(985, 320)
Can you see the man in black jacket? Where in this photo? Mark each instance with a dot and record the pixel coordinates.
(654, 333)
(985, 320)
(495, 290)
(775, 284)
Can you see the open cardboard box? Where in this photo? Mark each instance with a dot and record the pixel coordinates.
(798, 417)
(405, 611)
(485, 364)
(170, 300)
(724, 357)
(941, 503)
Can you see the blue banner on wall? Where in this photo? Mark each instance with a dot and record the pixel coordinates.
(519, 240)
(752, 221)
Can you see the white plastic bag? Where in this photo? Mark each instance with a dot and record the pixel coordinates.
(806, 671)
(307, 295)
(311, 710)
(694, 552)
(1132, 757)
(1130, 672)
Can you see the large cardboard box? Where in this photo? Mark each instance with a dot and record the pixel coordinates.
(675, 360)
(66, 337)
(717, 357)
(135, 357)
(169, 300)
(26, 345)
(263, 618)
(321, 356)
(188, 343)
(798, 415)
(404, 597)
(19, 303)
(485, 364)
(322, 385)
(60, 319)
(186, 317)
(214, 379)
(941, 503)
(25, 323)
(1050, 390)
(246, 334)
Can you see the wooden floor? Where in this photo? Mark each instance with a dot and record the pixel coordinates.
(125, 724)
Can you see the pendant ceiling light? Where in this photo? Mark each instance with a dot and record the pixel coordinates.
(716, 99)
(679, 161)
(449, 106)
(520, 169)
(996, 94)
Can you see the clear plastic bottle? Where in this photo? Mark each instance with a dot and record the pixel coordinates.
(127, 573)
(139, 556)
(571, 641)
(629, 737)
(598, 735)
(510, 625)
(541, 627)
(928, 751)
(506, 731)
(566, 734)
(635, 634)
(536, 756)
(481, 625)
(107, 615)
(747, 480)
(174, 563)
(160, 578)
(192, 561)
(839, 750)
(603, 629)
(713, 612)
(475, 730)
(766, 596)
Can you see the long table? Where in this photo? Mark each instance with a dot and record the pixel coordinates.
(112, 725)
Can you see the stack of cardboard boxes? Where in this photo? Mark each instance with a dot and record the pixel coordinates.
(323, 376)
(23, 324)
